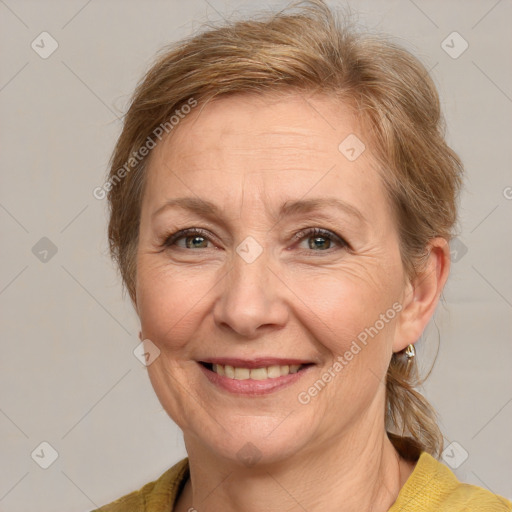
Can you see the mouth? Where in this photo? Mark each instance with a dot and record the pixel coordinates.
(253, 377)
(258, 373)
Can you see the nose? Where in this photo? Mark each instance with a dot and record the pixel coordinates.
(251, 299)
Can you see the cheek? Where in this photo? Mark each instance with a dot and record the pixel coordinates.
(335, 305)
(170, 302)
(347, 303)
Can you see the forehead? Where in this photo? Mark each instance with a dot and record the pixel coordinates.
(271, 128)
(268, 149)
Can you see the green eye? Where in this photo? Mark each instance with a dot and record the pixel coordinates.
(319, 237)
(191, 236)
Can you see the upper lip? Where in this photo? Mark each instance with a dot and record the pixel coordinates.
(257, 362)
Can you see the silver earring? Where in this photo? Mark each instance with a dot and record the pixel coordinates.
(410, 352)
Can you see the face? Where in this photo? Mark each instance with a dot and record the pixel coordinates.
(291, 257)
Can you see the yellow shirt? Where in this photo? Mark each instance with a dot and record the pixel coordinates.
(431, 487)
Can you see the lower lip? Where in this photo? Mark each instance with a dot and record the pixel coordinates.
(250, 386)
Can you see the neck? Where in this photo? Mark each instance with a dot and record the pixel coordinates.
(360, 472)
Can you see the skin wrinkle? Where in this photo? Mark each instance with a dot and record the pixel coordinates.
(212, 303)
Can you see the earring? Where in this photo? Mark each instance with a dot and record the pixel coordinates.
(410, 352)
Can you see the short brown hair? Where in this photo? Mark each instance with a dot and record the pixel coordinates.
(310, 50)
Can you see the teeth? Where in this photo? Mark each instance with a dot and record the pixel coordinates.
(259, 374)
(242, 373)
(274, 371)
(269, 372)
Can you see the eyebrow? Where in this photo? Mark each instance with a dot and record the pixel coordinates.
(205, 208)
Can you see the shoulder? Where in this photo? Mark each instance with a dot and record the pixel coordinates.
(432, 486)
(477, 498)
(159, 494)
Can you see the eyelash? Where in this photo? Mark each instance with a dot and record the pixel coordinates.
(172, 238)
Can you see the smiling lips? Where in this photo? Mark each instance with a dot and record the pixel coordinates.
(254, 376)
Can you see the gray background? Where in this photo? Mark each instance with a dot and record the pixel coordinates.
(67, 372)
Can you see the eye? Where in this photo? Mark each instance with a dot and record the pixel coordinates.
(194, 238)
(320, 240)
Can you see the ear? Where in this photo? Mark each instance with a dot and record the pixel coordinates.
(422, 294)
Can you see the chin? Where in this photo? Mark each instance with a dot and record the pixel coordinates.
(256, 441)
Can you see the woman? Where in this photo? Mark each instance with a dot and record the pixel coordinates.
(281, 199)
